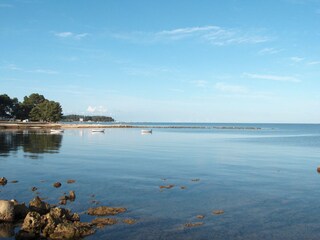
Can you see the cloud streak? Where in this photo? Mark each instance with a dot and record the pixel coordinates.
(96, 109)
(272, 77)
(227, 88)
(77, 36)
(269, 51)
(215, 35)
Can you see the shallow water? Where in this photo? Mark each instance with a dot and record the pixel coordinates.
(265, 180)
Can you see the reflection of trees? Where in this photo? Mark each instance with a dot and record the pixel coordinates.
(30, 142)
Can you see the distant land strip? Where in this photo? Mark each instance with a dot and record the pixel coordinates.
(6, 125)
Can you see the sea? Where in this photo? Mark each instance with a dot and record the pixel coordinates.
(262, 179)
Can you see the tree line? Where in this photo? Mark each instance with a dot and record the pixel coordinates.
(74, 118)
(34, 107)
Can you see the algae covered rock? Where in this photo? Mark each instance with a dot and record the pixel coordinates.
(105, 211)
(3, 181)
(32, 223)
(37, 205)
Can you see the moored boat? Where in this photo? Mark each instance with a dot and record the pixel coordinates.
(98, 130)
(146, 131)
(56, 131)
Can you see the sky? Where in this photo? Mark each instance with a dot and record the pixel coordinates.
(241, 61)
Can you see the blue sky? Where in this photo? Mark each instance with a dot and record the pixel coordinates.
(169, 60)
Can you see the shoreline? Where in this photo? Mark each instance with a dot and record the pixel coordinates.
(7, 125)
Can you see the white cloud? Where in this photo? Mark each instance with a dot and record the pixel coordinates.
(96, 109)
(176, 90)
(296, 59)
(200, 83)
(269, 51)
(227, 88)
(12, 67)
(272, 77)
(314, 63)
(214, 35)
(46, 71)
(77, 36)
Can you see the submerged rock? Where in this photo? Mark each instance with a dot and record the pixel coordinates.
(33, 189)
(6, 211)
(39, 206)
(101, 222)
(105, 211)
(218, 212)
(57, 184)
(3, 181)
(167, 186)
(129, 221)
(195, 180)
(71, 181)
(14, 181)
(72, 196)
(196, 224)
(200, 216)
(183, 187)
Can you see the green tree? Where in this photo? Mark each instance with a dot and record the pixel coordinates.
(46, 111)
(8, 106)
(30, 102)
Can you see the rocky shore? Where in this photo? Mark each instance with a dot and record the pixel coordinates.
(41, 220)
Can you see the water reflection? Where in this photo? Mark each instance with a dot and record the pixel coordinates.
(32, 142)
(6, 230)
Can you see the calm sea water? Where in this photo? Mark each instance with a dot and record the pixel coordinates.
(265, 180)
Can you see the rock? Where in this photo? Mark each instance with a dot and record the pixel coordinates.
(6, 230)
(49, 224)
(33, 189)
(167, 186)
(72, 230)
(129, 221)
(105, 211)
(39, 206)
(32, 223)
(101, 222)
(196, 224)
(318, 169)
(6, 211)
(218, 212)
(72, 196)
(71, 181)
(3, 181)
(75, 217)
(20, 211)
(65, 231)
(200, 216)
(57, 184)
(85, 229)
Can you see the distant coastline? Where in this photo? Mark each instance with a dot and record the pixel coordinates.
(37, 125)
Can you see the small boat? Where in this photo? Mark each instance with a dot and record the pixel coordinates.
(56, 131)
(98, 130)
(146, 131)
